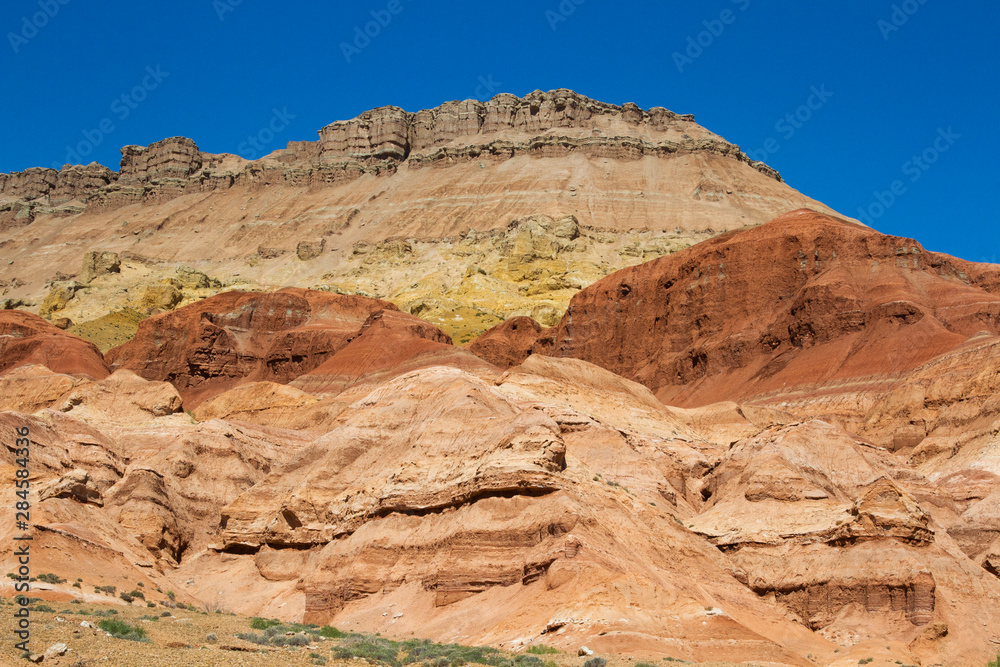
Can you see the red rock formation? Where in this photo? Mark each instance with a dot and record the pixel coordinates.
(388, 344)
(509, 343)
(804, 299)
(235, 337)
(28, 339)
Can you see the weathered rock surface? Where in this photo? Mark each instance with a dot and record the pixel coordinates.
(28, 339)
(619, 184)
(803, 300)
(97, 263)
(208, 347)
(829, 489)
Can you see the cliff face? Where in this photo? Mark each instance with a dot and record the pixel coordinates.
(551, 124)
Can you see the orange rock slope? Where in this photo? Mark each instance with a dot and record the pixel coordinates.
(346, 464)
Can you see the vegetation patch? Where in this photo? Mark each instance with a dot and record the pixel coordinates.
(122, 630)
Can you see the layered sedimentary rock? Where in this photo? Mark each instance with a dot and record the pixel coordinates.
(829, 493)
(28, 339)
(804, 300)
(449, 182)
(236, 337)
(377, 141)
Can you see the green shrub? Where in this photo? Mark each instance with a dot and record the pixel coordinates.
(51, 579)
(211, 637)
(137, 594)
(331, 633)
(43, 607)
(994, 663)
(373, 649)
(122, 630)
(252, 637)
(595, 662)
(76, 584)
(542, 649)
(127, 597)
(263, 623)
(110, 590)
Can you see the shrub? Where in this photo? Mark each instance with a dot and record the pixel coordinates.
(252, 637)
(43, 607)
(211, 637)
(76, 584)
(373, 649)
(297, 640)
(150, 603)
(126, 596)
(595, 662)
(110, 590)
(51, 579)
(137, 594)
(76, 601)
(542, 649)
(331, 633)
(258, 623)
(164, 614)
(644, 664)
(994, 663)
(122, 630)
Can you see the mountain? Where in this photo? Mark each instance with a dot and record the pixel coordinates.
(708, 427)
(464, 214)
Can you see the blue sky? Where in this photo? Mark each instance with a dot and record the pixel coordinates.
(904, 94)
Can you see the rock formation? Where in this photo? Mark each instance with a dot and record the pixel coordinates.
(210, 346)
(806, 300)
(467, 186)
(770, 443)
(28, 339)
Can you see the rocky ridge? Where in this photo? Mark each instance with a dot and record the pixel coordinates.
(376, 142)
(465, 214)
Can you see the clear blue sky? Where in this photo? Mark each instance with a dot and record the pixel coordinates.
(224, 66)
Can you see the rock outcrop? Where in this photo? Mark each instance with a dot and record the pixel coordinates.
(801, 301)
(28, 339)
(212, 345)
(597, 187)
